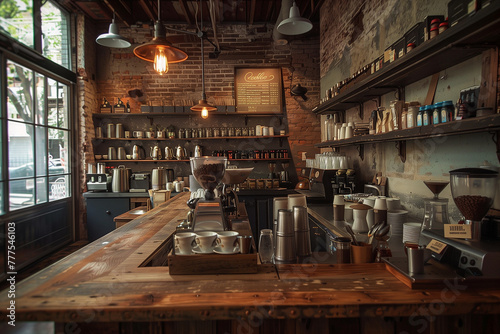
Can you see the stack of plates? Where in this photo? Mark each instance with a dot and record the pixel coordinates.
(396, 219)
(411, 232)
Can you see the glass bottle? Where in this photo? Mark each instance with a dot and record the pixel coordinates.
(266, 248)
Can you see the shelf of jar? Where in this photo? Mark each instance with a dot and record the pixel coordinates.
(470, 125)
(197, 138)
(463, 41)
(184, 160)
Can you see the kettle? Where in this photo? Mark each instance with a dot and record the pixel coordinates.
(169, 153)
(197, 151)
(120, 180)
(155, 153)
(137, 152)
(158, 178)
(180, 153)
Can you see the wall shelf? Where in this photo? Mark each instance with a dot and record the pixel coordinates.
(185, 114)
(467, 39)
(189, 139)
(184, 160)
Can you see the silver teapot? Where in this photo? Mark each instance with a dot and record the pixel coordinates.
(180, 153)
(169, 153)
(155, 153)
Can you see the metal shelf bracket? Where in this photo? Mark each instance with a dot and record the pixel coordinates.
(401, 147)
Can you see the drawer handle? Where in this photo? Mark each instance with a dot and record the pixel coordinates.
(108, 212)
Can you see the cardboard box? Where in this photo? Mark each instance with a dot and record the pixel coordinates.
(460, 9)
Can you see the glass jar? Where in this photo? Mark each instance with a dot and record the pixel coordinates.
(194, 133)
(412, 115)
(209, 132)
(216, 132)
(436, 113)
(230, 132)
(420, 116)
(447, 111)
(244, 131)
(427, 117)
(443, 26)
(266, 248)
(237, 132)
(223, 132)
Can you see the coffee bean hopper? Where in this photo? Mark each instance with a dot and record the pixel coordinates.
(208, 211)
(232, 178)
(473, 191)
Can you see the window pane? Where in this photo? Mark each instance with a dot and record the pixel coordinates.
(16, 20)
(19, 92)
(58, 104)
(2, 211)
(40, 99)
(58, 151)
(59, 187)
(41, 190)
(20, 150)
(21, 193)
(41, 151)
(55, 41)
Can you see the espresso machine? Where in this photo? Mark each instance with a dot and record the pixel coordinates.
(330, 182)
(208, 212)
(473, 191)
(97, 179)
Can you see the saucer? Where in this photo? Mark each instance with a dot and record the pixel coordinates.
(218, 250)
(197, 250)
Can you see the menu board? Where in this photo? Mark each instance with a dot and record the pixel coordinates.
(258, 90)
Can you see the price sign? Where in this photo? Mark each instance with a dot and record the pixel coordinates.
(258, 90)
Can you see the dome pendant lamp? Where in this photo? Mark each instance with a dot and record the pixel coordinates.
(294, 24)
(112, 39)
(159, 50)
(203, 106)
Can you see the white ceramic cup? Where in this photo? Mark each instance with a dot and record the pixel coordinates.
(150, 134)
(380, 204)
(138, 134)
(338, 200)
(227, 241)
(206, 241)
(184, 242)
(170, 186)
(393, 204)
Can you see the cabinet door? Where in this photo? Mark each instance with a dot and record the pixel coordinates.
(100, 214)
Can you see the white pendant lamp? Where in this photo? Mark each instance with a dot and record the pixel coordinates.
(112, 39)
(294, 24)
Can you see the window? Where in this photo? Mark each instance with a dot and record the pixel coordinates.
(17, 20)
(38, 136)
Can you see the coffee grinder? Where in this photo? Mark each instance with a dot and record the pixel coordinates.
(232, 178)
(208, 211)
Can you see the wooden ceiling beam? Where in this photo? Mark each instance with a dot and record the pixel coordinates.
(315, 8)
(185, 12)
(252, 12)
(149, 10)
(123, 12)
(271, 5)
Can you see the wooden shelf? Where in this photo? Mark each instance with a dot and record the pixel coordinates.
(183, 114)
(463, 41)
(471, 125)
(184, 160)
(188, 139)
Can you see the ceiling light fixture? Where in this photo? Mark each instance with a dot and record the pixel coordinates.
(159, 50)
(203, 106)
(294, 24)
(112, 39)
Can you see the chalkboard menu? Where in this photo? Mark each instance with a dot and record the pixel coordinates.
(258, 90)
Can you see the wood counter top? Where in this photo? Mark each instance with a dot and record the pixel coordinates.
(105, 282)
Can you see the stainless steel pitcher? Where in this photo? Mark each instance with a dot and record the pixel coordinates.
(155, 153)
(137, 152)
(197, 151)
(180, 153)
(158, 178)
(169, 153)
(120, 181)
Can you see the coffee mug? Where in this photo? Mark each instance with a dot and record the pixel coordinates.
(226, 241)
(170, 186)
(127, 134)
(184, 243)
(160, 134)
(150, 134)
(206, 241)
(138, 134)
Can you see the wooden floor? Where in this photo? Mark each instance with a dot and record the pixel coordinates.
(46, 261)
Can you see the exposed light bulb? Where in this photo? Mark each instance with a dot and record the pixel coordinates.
(160, 62)
(204, 113)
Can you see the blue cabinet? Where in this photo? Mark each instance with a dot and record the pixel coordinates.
(100, 214)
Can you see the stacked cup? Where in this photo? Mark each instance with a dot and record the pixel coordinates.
(301, 228)
(285, 238)
(279, 203)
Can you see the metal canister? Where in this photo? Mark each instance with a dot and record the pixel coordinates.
(111, 131)
(120, 133)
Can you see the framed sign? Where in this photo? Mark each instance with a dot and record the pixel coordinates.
(258, 90)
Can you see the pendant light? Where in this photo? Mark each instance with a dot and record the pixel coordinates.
(203, 106)
(112, 39)
(159, 50)
(294, 24)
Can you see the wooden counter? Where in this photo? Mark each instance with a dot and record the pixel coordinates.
(104, 285)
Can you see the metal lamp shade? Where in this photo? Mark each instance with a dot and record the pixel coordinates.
(295, 24)
(112, 39)
(203, 104)
(147, 50)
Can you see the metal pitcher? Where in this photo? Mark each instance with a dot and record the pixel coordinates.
(197, 151)
(155, 153)
(169, 153)
(158, 178)
(120, 181)
(180, 153)
(138, 153)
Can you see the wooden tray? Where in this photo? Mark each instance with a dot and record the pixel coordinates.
(197, 264)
